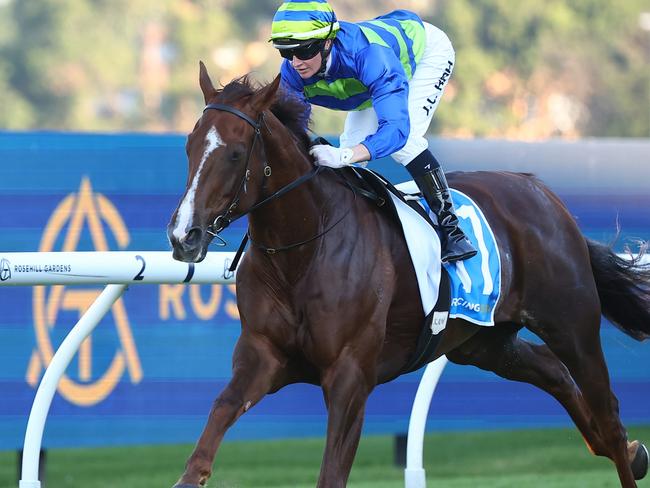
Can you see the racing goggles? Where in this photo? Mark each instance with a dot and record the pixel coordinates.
(304, 52)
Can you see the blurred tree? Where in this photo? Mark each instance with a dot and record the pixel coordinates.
(545, 68)
(16, 112)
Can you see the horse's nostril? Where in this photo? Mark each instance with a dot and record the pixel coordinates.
(193, 237)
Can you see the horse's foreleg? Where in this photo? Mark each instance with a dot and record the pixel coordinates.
(346, 388)
(256, 369)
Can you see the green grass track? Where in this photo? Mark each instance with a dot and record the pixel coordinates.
(550, 458)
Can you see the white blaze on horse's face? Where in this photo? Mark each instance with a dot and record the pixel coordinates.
(186, 208)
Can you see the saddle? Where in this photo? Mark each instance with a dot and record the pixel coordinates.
(374, 187)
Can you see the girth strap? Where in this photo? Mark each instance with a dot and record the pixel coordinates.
(427, 344)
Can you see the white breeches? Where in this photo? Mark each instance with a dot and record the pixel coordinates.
(425, 91)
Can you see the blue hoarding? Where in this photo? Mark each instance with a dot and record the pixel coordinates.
(152, 368)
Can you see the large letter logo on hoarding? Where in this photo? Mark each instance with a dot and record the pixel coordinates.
(78, 211)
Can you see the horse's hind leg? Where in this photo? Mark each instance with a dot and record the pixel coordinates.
(577, 344)
(499, 350)
(256, 370)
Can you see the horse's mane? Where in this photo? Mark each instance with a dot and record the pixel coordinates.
(289, 110)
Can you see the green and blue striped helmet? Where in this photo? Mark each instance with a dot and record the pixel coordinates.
(302, 20)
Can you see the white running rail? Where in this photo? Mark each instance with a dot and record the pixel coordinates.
(117, 270)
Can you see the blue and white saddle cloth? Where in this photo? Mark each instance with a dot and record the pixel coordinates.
(475, 282)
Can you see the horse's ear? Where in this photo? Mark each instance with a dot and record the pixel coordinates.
(264, 97)
(206, 83)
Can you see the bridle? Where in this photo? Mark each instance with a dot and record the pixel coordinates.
(223, 220)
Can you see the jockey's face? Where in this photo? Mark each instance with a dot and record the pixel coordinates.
(307, 68)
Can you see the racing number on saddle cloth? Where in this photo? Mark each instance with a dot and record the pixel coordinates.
(475, 282)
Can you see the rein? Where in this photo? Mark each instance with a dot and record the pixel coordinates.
(222, 221)
(273, 250)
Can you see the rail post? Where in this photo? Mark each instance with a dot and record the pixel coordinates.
(50, 381)
(414, 473)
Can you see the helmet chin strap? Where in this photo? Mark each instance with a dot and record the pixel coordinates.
(324, 54)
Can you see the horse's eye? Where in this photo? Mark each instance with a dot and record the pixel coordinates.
(236, 155)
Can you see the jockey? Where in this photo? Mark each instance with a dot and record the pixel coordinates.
(389, 73)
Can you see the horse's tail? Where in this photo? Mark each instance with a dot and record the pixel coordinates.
(623, 288)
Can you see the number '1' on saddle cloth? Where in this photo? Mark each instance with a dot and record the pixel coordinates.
(475, 282)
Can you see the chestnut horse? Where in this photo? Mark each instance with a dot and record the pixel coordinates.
(327, 293)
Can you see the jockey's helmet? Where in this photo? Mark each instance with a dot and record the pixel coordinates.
(300, 22)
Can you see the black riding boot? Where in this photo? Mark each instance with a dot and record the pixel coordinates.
(431, 181)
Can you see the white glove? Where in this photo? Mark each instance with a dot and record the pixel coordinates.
(334, 157)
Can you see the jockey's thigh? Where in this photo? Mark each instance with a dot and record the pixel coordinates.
(425, 91)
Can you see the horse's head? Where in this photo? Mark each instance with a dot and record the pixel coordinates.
(226, 164)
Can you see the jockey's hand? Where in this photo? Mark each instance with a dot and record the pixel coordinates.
(334, 157)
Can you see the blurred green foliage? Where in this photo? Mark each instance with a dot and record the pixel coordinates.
(526, 70)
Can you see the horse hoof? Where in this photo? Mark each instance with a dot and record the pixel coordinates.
(185, 485)
(639, 464)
